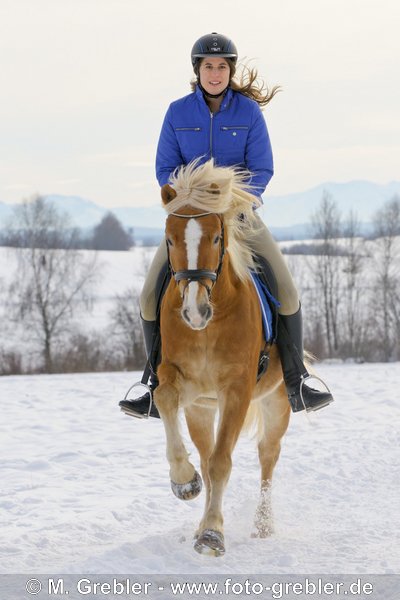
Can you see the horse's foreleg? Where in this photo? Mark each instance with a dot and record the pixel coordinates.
(233, 412)
(275, 414)
(185, 481)
(200, 421)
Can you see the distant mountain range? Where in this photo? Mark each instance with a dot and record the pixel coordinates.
(288, 216)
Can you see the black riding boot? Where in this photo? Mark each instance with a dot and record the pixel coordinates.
(140, 407)
(290, 345)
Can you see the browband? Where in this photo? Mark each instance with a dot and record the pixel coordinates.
(192, 216)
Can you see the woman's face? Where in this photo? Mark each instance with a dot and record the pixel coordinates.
(214, 74)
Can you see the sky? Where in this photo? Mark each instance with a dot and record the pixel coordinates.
(85, 85)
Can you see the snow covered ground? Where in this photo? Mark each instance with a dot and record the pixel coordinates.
(86, 489)
(117, 271)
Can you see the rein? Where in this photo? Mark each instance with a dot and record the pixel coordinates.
(199, 274)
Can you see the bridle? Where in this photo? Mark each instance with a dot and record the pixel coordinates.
(199, 274)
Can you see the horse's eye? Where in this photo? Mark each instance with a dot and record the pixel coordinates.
(216, 239)
(169, 242)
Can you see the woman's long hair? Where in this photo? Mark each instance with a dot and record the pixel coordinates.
(246, 82)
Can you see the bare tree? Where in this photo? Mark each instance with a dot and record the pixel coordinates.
(387, 281)
(326, 224)
(354, 288)
(53, 279)
(127, 328)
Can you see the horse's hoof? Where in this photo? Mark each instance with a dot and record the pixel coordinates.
(210, 542)
(189, 490)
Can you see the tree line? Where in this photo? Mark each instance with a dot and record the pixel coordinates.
(349, 288)
(108, 234)
(52, 290)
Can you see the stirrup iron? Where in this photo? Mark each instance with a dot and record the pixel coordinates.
(305, 378)
(126, 410)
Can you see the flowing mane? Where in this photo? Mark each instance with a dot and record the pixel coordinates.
(224, 191)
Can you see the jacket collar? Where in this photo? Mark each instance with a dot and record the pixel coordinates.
(225, 101)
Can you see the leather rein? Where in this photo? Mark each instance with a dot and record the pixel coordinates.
(199, 274)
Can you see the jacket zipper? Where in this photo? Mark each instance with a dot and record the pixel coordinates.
(187, 128)
(224, 128)
(211, 133)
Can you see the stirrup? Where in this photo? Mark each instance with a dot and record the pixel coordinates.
(131, 413)
(303, 379)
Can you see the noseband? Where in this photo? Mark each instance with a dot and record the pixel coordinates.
(199, 274)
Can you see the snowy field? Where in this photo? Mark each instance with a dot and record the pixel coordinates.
(117, 271)
(85, 489)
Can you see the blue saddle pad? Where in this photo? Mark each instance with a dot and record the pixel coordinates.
(266, 299)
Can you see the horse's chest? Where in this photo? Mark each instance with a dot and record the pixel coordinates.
(197, 356)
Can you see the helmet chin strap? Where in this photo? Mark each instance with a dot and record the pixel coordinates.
(213, 96)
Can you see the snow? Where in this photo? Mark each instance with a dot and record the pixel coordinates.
(85, 489)
(117, 273)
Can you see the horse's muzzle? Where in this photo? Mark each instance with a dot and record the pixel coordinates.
(197, 318)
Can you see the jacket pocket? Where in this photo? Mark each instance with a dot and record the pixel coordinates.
(235, 135)
(187, 128)
(233, 128)
(232, 143)
(191, 141)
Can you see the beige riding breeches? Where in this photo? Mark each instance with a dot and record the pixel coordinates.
(262, 243)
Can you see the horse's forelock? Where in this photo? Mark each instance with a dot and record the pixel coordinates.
(209, 187)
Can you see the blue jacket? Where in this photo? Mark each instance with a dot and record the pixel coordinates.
(236, 135)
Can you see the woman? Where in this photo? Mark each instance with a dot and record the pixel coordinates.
(222, 119)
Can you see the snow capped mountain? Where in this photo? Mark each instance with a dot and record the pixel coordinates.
(83, 213)
(363, 197)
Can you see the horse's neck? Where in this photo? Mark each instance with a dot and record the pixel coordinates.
(227, 283)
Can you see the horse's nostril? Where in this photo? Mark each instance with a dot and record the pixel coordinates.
(185, 314)
(206, 311)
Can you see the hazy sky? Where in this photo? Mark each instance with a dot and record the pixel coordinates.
(85, 85)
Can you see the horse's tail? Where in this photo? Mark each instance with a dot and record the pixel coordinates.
(254, 422)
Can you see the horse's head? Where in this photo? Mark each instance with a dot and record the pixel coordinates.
(195, 241)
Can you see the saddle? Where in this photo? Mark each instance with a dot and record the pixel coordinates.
(267, 291)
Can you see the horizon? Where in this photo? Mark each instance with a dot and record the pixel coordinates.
(363, 198)
(266, 195)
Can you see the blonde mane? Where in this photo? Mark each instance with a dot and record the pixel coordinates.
(224, 191)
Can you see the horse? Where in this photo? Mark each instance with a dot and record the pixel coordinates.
(212, 335)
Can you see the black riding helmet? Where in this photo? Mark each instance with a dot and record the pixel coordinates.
(214, 44)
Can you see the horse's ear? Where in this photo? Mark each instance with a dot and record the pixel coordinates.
(167, 193)
(214, 189)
